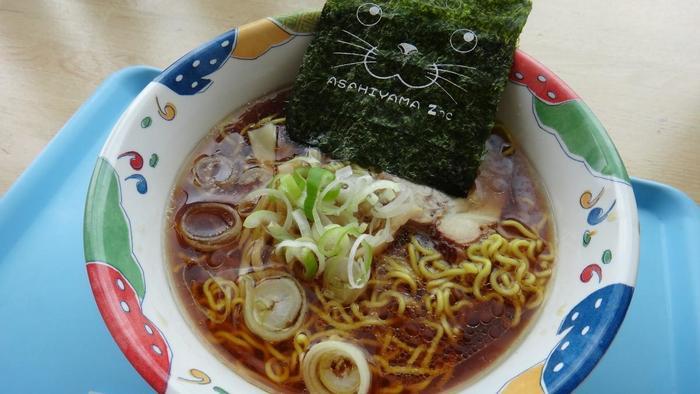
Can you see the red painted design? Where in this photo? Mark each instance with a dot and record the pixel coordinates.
(139, 339)
(136, 161)
(542, 83)
(587, 273)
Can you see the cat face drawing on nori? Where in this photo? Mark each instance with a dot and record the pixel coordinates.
(405, 62)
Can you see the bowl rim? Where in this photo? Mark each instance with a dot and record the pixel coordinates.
(554, 93)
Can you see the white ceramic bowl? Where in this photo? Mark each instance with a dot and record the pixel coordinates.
(591, 198)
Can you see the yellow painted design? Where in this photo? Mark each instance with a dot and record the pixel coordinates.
(168, 112)
(587, 201)
(256, 38)
(527, 382)
(199, 377)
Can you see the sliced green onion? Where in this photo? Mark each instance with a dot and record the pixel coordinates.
(368, 260)
(295, 248)
(401, 203)
(302, 223)
(308, 259)
(388, 195)
(278, 232)
(276, 194)
(290, 187)
(333, 239)
(375, 186)
(361, 282)
(260, 218)
(327, 204)
(332, 194)
(382, 236)
(372, 199)
(344, 173)
(311, 161)
(318, 179)
(301, 173)
(359, 192)
(322, 225)
(300, 179)
(335, 281)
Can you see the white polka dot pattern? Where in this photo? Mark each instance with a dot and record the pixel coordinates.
(188, 75)
(589, 327)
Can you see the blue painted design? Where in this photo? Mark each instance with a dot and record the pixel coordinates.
(141, 184)
(219, 390)
(596, 216)
(592, 324)
(188, 75)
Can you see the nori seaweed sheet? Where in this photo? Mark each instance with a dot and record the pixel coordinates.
(407, 86)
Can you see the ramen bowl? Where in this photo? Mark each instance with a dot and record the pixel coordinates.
(592, 204)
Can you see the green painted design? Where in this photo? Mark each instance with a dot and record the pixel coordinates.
(587, 238)
(304, 22)
(153, 161)
(583, 135)
(219, 390)
(146, 122)
(106, 230)
(607, 256)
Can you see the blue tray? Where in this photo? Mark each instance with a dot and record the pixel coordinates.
(52, 338)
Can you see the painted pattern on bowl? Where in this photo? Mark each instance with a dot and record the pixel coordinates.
(591, 197)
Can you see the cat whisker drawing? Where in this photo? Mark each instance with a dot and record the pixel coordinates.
(359, 39)
(445, 90)
(353, 64)
(456, 65)
(364, 55)
(452, 83)
(406, 66)
(441, 70)
(354, 45)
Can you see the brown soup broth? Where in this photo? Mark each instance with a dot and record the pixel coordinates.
(487, 334)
